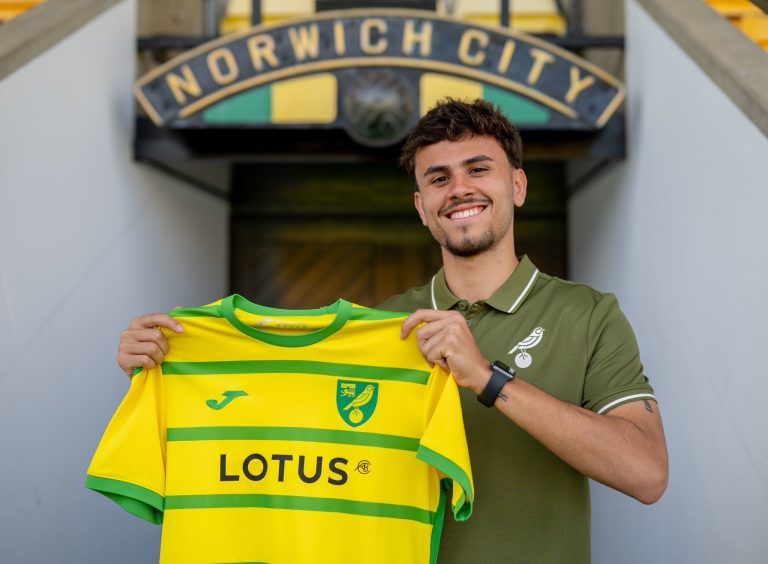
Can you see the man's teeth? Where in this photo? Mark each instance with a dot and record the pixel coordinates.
(466, 213)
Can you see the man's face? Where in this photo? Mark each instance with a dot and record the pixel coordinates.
(467, 193)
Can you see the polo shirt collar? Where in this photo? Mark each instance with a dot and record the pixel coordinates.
(507, 298)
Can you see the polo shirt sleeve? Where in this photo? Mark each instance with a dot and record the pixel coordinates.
(614, 374)
(129, 464)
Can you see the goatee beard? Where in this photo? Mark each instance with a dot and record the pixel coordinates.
(469, 247)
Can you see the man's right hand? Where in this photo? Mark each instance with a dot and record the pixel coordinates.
(143, 344)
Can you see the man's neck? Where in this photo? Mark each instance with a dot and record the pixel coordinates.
(478, 277)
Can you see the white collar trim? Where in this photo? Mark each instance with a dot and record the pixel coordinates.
(525, 290)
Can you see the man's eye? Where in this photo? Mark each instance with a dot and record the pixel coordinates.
(439, 180)
(479, 169)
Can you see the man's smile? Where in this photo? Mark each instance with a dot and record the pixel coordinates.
(464, 211)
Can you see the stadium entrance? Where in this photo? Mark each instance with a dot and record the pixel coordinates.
(304, 119)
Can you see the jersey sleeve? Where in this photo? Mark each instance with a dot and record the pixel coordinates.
(129, 464)
(614, 371)
(444, 443)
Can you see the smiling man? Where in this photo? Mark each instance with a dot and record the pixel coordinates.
(464, 221)
(557, 361)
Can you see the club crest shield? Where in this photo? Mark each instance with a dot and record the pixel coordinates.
(356, 401)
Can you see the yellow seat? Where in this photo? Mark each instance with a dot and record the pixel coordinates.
(531, 16)
(750, 19)
(10, 9)
(734, 9)
(238, 14)
(756, 27)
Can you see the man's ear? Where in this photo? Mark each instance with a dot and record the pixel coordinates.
(520, 183)
(419, 208)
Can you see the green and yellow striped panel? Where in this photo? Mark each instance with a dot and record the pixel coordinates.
(288, 101)
(307, 99)
(519, 110)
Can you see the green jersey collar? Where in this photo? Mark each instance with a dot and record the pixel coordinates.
(341, 308)
(506, 299)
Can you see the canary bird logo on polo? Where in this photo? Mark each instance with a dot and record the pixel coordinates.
(523, 358)
(356, 401)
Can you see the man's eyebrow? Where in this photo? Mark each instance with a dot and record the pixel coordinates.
(437, 168)
(446, 168)
(477, 159)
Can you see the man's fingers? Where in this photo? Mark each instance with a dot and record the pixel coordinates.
(424, 316)
(429, 330)
(156, 320)
(412, 321)
(433, 353)
(132, 336)
(149, 349)
(139, 354)
(141, 347)
(151, 335)
(130, 361)
(143, 344)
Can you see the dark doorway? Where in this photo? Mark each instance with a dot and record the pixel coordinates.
(304, 234)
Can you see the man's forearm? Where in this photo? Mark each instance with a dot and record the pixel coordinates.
(624, 449)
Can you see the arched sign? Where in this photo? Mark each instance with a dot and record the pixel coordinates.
(377, 68)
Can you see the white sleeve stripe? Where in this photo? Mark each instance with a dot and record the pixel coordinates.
(624, 399)
(432, 291)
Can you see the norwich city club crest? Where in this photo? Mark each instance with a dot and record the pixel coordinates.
(356, 401)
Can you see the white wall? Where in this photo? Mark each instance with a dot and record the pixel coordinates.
(88, 239)
(679, 232)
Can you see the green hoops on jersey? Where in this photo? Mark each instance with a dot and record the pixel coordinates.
(297, 436)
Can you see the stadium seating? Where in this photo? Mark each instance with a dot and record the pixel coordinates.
(750, 19)
(532, 16)
(9, 9)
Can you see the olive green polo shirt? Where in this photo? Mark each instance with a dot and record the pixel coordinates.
(570, 341)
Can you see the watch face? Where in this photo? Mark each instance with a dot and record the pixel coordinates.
(503, 366)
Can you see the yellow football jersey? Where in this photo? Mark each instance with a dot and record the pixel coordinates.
(289, 436)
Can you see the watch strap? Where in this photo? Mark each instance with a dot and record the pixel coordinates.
(500, 375)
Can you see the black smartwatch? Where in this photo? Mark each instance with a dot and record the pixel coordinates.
(500, 375)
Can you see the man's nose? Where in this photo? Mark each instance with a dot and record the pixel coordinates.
(462, 186)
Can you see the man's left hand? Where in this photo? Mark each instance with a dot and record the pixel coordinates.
(445, 339)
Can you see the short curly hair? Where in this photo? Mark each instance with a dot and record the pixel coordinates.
(452, 120)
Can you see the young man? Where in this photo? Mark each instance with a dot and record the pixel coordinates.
(574, 404)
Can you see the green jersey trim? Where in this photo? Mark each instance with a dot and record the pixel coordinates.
(367, 314)
(202, 311)
(437, 530)
(463, 508)
(341, 308)
(301, 503)
(293, 434)
(136, 500)
(359, 313)
(296, 367)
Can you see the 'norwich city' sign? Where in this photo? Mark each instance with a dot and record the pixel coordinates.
(405, 42)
